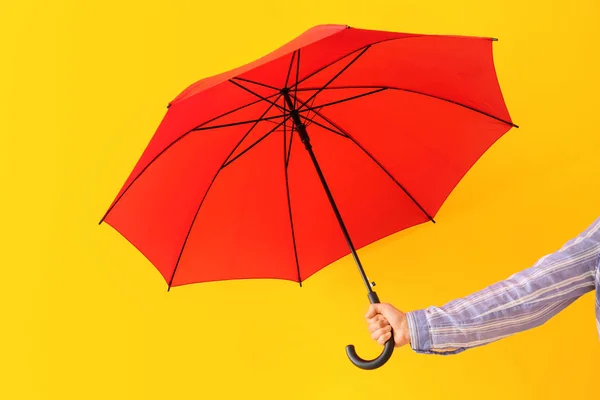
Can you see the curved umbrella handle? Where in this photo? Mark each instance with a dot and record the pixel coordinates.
(371, 364)
(388, 350)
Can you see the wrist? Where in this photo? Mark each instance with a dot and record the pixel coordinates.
(405, 333)
(401, 330)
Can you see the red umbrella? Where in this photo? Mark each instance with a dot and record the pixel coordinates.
(252, 173)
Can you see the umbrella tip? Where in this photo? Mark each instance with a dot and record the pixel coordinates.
(169, 105)
(494, 39)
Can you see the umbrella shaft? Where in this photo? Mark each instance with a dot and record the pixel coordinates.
(303, 134)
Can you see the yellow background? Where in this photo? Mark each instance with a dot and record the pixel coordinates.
(83, 86)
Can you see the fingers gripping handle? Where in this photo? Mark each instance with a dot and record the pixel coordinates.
(388, 350)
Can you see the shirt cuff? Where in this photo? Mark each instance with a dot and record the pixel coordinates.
(418, 329)
(421, 340)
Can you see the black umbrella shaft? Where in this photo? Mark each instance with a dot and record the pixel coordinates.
(303, 134)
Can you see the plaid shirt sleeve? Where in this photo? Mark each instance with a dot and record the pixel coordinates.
(523, 301)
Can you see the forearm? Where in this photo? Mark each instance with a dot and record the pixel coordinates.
(449, 334)
(524, 301)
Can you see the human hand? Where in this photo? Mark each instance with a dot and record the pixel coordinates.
(382, 319)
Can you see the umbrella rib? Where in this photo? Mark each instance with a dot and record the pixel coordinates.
(163, 151)
(375, 161)
(256, 83)
(271, 120)
(231, 112)
(349, 54)
(255, 94)
(311, 120)
(358, 96)
(312, 89)
(285, 134)
(257, 142)
(360, 48)
(380, 88)
(289, 151)
(337, 75)
(306, 116)
(298, 82)
(287, 190)
(297, 77)
(249, 121)
(205, 195)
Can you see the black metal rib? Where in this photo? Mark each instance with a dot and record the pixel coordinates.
(255, 94)
(287, 189)
(298, 82)
(256, 83)
(415, 92)
(290, 148)
(249, 121)
(297, 77)
(287, 79)
(337, 75)
(313, 121)
(358, 96)
(324, 67)
(232, 111)
(271, 121)
(285, 134)
(359, 49)
(375, 161)
(257, 142)
(206, 194)
(197, 128)
(306, 116)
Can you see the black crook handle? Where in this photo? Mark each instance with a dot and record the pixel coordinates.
(388, 350)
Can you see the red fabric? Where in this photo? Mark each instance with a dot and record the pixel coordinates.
(438, 109)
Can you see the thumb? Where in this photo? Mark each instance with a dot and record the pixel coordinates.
(374, 309)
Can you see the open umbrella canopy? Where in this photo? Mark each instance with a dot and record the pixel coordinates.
(231, 186)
